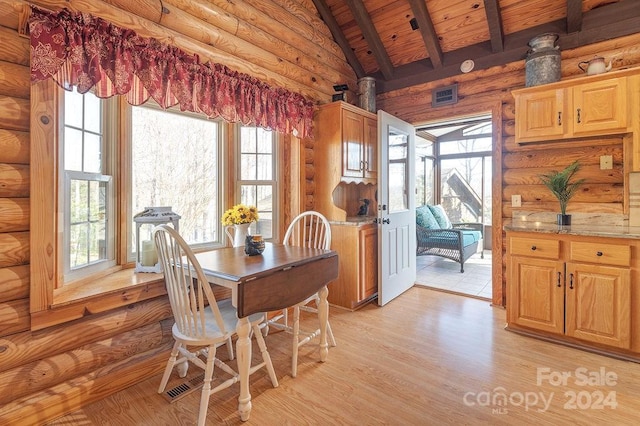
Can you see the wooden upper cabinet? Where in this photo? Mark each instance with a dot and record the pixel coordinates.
(352, 144)
(600, 107)
(540, 115)
(590, 106)
(359, 142)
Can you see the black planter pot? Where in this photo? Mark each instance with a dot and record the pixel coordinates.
(564, 219)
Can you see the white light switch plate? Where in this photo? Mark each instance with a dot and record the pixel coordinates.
(516, 201)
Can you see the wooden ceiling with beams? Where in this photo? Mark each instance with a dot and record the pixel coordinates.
(406, 42)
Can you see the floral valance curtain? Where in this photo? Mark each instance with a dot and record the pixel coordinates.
(78, 49)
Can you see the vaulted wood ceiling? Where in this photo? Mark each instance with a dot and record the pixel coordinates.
(406, 42)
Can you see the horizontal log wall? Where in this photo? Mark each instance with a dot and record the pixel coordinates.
(44, 374)
(603, 191)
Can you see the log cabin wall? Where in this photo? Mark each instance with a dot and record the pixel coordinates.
(516, 168)
(45, 374)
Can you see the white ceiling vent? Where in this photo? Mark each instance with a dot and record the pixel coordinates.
(445, 96)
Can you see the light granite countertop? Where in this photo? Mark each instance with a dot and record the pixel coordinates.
(354, 221)
(611, 231)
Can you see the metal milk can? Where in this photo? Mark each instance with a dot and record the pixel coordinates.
(542, 65)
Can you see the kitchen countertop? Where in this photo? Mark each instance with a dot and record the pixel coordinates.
(611, 231)
(354, 221)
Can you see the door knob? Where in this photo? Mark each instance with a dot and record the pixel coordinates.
(387, 221)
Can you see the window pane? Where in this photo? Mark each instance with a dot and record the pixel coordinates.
(265, 141)
(248, 167)
(264, 168)
(92, 113)
(73, 109)
(175, 163)
(398, 179)
(72, 149)
(79, 193)
(92, 157)
(468, 145)
(78, 246)
(248, 140)
(462, 189)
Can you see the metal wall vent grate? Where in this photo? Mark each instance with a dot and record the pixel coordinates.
(184, 389)
(445, 96)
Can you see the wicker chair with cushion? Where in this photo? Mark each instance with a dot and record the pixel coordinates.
(436, 235)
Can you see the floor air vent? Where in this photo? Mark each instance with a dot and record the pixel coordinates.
(184, 389)
(445, 95)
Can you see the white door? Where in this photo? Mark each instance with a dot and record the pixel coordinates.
(396, 207)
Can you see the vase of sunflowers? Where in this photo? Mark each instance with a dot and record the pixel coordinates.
(237, 221)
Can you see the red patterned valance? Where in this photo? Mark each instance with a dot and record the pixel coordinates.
(78, 49)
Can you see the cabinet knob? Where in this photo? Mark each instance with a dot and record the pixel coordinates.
(534, 248)
(599, 253)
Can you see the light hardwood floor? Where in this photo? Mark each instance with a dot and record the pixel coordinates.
(427, 358)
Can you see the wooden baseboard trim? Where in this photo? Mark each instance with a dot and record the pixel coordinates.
(612, 353)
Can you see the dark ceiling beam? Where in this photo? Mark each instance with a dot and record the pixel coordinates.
(427, 31)
(372, 37)
(338, 36)
(494, 19)
(600, 24)
(574, 16)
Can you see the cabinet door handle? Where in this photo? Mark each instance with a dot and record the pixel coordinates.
(571, 281)
(534, 248)
(361, 165)
(599, 253)
(366, 166)
(559, 118)
(578, 116)
(559, 279)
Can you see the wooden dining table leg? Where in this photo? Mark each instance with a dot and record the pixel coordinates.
(323, 316)
(243, 354)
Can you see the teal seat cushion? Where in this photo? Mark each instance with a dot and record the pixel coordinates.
(451, 241)
(470, 237)
(425, 218)
(441, 216)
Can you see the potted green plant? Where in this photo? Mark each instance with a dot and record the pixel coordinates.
(559, 183)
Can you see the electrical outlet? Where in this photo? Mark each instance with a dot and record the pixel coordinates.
(606, 162)
(516, 201)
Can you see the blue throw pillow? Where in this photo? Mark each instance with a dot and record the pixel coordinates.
(425, 218)
(441, 216)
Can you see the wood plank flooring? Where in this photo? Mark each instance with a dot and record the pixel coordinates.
(427, 358)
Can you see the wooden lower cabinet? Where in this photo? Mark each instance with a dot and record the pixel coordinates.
(575, 289)
(357, 282)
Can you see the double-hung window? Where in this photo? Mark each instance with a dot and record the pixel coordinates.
(256, 185)
(87, 196)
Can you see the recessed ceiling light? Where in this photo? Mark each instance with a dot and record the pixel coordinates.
(467, 66)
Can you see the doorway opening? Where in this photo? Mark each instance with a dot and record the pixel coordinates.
(454, 170)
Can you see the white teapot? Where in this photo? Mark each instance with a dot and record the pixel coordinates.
(595, 65)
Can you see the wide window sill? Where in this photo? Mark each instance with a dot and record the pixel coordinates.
(112, 291)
